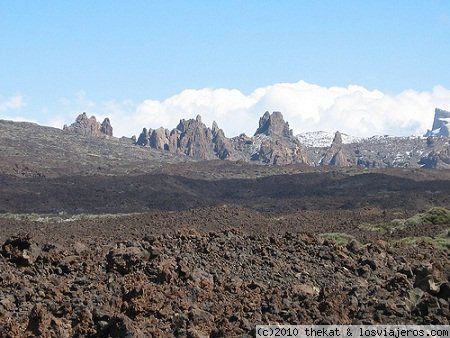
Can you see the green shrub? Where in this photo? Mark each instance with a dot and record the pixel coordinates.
(339, 238)
(386, 227)
(436, 216)
(442, 241)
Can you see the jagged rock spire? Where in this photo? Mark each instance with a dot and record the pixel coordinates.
(85, 125)
(441, 124)
(273, 125)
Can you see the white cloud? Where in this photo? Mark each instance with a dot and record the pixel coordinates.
(14, 102)
(80, 101)
(18, 119)
(307, 107)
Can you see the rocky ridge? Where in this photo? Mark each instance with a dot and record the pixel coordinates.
(273, 142)
(192, 138)
(89, 126)
(387, 152)
(428, 152)
(31, 150)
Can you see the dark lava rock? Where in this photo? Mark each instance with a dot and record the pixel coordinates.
(21, 250)
(125, 259)
(219, 284)
(120, 326)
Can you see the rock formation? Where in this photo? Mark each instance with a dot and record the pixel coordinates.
(438, 147)
(438, 157)
(89, 126)
(192, 138)
(274, 142)
(335, 154)
(195, 139)
(440, 124)
(273, 125)
(143, 138)
(159, 139)
(222, 145)
(106, 127)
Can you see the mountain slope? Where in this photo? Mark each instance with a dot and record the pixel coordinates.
(27, 149)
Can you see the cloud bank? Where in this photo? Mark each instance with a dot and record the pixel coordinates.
(12, 103)
(354, 110)
(9, 107)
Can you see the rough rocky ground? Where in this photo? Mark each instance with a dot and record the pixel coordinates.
(213, 272)
(214, 284)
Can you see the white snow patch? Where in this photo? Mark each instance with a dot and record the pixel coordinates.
(322, 139)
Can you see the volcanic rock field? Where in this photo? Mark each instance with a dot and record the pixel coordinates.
(103, 238)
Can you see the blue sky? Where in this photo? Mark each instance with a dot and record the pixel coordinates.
(107, 57)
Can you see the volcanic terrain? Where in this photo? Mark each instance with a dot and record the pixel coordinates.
(103, 238)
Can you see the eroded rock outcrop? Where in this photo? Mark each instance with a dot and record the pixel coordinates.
(440, 124)
(335, 154)
(438, 157)
(274, 143)
(195, 139)
(89, 126)
(438, 146)
(273, 125)
(143, 138)
(192, 138)
(106, 127)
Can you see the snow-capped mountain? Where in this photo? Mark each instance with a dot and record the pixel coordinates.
(322, 139)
